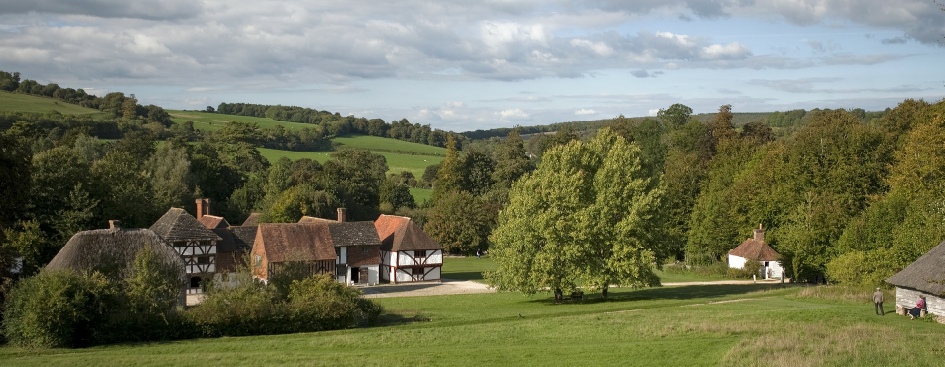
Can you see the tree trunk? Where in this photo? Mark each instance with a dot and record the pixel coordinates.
(603, 292)
(559, 297)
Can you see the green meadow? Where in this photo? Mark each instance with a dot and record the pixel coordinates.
(15, 102)
(215, 121)
(401, 155)
(708, 325)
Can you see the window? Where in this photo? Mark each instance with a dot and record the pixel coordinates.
(420, 254)
(203, 260)
(195, 282)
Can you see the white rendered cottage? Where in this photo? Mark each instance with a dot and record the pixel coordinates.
(924, 277)
(756, 249)
(407, 253)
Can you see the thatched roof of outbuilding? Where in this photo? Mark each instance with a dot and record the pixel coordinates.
(177, 225)
(112, 251)
(926, 274)
(402, 234)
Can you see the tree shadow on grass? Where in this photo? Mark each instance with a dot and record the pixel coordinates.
(687, 292)
(469, 275)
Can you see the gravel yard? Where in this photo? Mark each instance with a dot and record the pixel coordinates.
(445, 287)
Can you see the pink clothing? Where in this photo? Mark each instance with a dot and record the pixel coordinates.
(921, 304)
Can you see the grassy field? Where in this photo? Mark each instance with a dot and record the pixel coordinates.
(15, 102)
(728, 325)
(396, 162)
(215, 121)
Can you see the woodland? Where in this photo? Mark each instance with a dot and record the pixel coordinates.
(846, 196)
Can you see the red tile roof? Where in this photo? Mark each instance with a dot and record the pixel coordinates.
(402, 234)
(213, 221)
(753, 249)
(295, 242)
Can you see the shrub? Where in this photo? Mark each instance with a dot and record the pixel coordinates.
(321, 303)
(249, 308)
(751, 267)
(58, 309)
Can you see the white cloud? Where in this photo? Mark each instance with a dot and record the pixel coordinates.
(733, 50)
(585, 112)
(653, 112)
(512, 114)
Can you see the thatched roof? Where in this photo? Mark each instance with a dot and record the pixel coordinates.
(112, 251)
(177, 225)
(213, 221)
(753, 249)
(295, 242)
(402, 234)
(926, 274)
(252, 220)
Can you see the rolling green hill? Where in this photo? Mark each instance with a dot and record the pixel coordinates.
(15, 102)
(214, 121)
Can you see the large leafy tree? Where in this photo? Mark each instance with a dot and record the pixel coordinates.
(579, 218)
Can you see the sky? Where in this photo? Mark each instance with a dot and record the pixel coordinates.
(467, 65)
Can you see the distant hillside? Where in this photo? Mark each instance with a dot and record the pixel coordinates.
(215, 121)
(16, 102)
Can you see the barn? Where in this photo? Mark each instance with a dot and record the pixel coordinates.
(924, 277)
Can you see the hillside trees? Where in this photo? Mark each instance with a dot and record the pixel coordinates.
(580, 217)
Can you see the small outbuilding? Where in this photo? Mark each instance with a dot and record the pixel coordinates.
(757, 249)
(924, 277)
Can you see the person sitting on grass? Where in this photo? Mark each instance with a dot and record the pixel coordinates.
(917, 311)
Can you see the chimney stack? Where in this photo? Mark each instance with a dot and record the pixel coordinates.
(203, 207)
(114, 224)
(760, 234)
(342, 215)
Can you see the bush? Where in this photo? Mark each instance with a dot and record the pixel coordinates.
(751, 267)
(58, 309)
(321, 303)
(249, 308)
(312, 304)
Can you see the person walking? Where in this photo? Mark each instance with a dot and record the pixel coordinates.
(878, 302)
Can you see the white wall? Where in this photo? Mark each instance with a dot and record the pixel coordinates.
(373, 274)
(736, 262)
(775, 270)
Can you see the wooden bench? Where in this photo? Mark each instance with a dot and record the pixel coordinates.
(577, 295)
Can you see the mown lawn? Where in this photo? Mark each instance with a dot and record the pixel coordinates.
(728, 325)
(15, 102)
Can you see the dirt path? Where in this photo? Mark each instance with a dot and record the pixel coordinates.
(450, 286)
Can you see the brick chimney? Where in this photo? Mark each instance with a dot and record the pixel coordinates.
(760, 234)
(203, 207)
(114, 224)
(342, 215)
